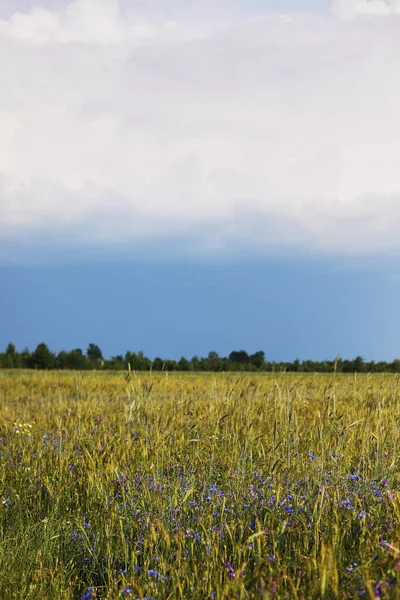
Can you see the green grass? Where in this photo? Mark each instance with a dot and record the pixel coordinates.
(238, 486)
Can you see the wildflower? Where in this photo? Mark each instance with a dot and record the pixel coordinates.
(230, 569)
(127, 590)
(152, 572)
(271, 558)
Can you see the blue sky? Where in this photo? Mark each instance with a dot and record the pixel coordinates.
(288, 308)
(178, 177)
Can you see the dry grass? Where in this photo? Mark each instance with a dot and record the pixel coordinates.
(199, 486)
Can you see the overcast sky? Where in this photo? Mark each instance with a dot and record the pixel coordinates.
(181, 130)
(230, 122)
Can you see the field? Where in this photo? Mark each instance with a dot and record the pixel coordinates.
(199, 486)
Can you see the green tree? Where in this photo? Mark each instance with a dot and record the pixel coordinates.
(183, 364)
(42, 358)
(25, 359)
(76, 360)
(195, 363)
(94, 353)
(10, 357)
(258, 359)
(213, 362)
(359, 365)
(240, 357)
(158, 364)
(62, 360)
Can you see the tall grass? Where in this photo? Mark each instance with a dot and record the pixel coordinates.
(199, 486)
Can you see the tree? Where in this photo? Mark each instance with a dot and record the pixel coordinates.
(11, 350)
(138, 362)
(42, 358)
(10, 357)
(195, 363)
(158, 364)
(395, 365)
(62, 360)
(183, 364)
(76, 360)
(212, 362)
(258, 359)
(240, 357)
(170, 365)
(359, 364)
(25, 359)
(94, 353)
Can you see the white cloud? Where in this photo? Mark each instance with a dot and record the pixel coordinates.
(224, 126)
(349, 9)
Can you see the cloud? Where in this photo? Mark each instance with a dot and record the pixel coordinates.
(349, 9)
(129, 121)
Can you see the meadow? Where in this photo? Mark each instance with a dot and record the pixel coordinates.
(199, 486)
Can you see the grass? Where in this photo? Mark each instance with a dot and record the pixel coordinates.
(205, 486)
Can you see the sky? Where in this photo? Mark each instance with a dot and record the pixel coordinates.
(178, 177)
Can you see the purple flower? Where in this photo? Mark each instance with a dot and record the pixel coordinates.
(230, 569)
(152, 572)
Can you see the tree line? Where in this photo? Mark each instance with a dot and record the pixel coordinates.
(238, 360)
